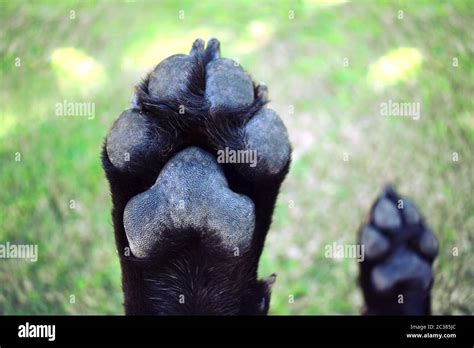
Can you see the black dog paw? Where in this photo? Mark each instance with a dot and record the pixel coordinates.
(399, 249)
(194, 168)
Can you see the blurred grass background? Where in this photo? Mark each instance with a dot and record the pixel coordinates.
(328, 64)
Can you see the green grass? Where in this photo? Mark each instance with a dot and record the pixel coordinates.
(336, 110)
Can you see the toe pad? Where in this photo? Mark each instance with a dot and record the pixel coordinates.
(267, 135)
(228, 85)
(131, 140)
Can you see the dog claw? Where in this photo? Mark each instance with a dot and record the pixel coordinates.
(198, 46)
(213, 49)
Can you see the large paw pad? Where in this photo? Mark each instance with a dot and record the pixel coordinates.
(190, 194)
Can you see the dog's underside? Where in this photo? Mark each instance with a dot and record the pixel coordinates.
(190, 230)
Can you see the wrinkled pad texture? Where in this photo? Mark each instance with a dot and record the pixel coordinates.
(191, 192)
